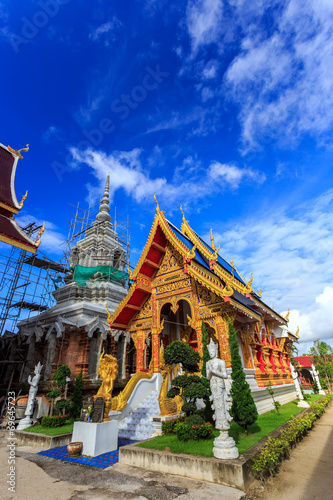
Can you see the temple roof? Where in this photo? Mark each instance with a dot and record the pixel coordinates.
(304, 361)
(201, 262)
(10, 231)
(8, 164)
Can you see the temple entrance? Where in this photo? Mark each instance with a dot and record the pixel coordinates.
(176, 325)
(306, 379)
(148, 352)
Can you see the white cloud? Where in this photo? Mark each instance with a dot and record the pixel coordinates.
(126, 172)
(203, 18)
(104, 29)
(291, 255)
(284, 82)
(51, 133)
(234, 175)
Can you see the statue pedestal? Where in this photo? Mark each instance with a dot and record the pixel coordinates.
(225, 447)
(303, 404)
(24, 423)
(96, 438)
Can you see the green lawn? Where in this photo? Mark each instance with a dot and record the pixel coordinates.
(266, 423)
(52, 431)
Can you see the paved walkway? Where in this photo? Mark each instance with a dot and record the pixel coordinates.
(44, 478)
(308, 474)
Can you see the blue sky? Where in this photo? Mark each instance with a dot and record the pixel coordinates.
(225, 107)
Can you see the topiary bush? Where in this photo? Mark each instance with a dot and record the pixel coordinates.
(77, 398)
(194, 420)
(191, 387)
(62, 404)
(243, 409)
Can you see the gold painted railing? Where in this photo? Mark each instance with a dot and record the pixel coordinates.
(119, 402)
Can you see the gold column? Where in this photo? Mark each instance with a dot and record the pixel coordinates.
(222, 334)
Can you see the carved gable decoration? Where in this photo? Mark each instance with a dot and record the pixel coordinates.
(205, 296)
(146, 311)
(172, 261)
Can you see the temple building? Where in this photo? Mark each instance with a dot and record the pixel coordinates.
(10, 231)
(180, 281)
(75, 330)
(307, 372)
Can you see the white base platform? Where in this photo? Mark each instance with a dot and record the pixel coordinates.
(96, 438)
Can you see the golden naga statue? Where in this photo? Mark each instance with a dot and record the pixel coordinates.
(108, 371)
(168, 406)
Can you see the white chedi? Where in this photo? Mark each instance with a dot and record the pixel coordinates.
(216, 371)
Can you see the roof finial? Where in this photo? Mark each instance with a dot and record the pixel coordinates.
(212, 239)
(287, 315)
(104, 209)
(157, 205)
(18, 153)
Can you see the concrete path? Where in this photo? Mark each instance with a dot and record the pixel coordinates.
(308, 474)
(44, 478)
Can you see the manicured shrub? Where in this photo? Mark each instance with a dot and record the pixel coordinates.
(77, 399)
(190, 387)
(204, 431)
(183, 431)
(275, 449)
(194, 420)
(62, 404)
(168, 426)
(243, 410)
(61, 374)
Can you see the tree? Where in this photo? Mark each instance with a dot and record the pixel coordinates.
(243, 410)
(191, 387)
(77, 398)
(208, 412)
(322, 355)
(60, 379)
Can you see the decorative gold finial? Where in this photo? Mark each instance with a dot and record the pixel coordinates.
(181, 209)
(216, 252)
(191, 253)
(37, 239)
(297, 332)
(157, 205)
(23, 199)
(227, 290)
(109, 317)
(260, 292)
(212, 239)
(130, 274)
(287, 315)
(18, 153)
(250, 282)
(273, 307)
(232, 263)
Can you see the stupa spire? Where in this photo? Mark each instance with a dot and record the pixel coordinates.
(104, 209)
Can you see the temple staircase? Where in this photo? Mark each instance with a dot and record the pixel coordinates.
(138, 425)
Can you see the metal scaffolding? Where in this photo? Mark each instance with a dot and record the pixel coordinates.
(83, 219)
(26, 284)
(27, 281)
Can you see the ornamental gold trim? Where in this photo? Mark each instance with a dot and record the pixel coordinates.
(18, 153)
(14, 243)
